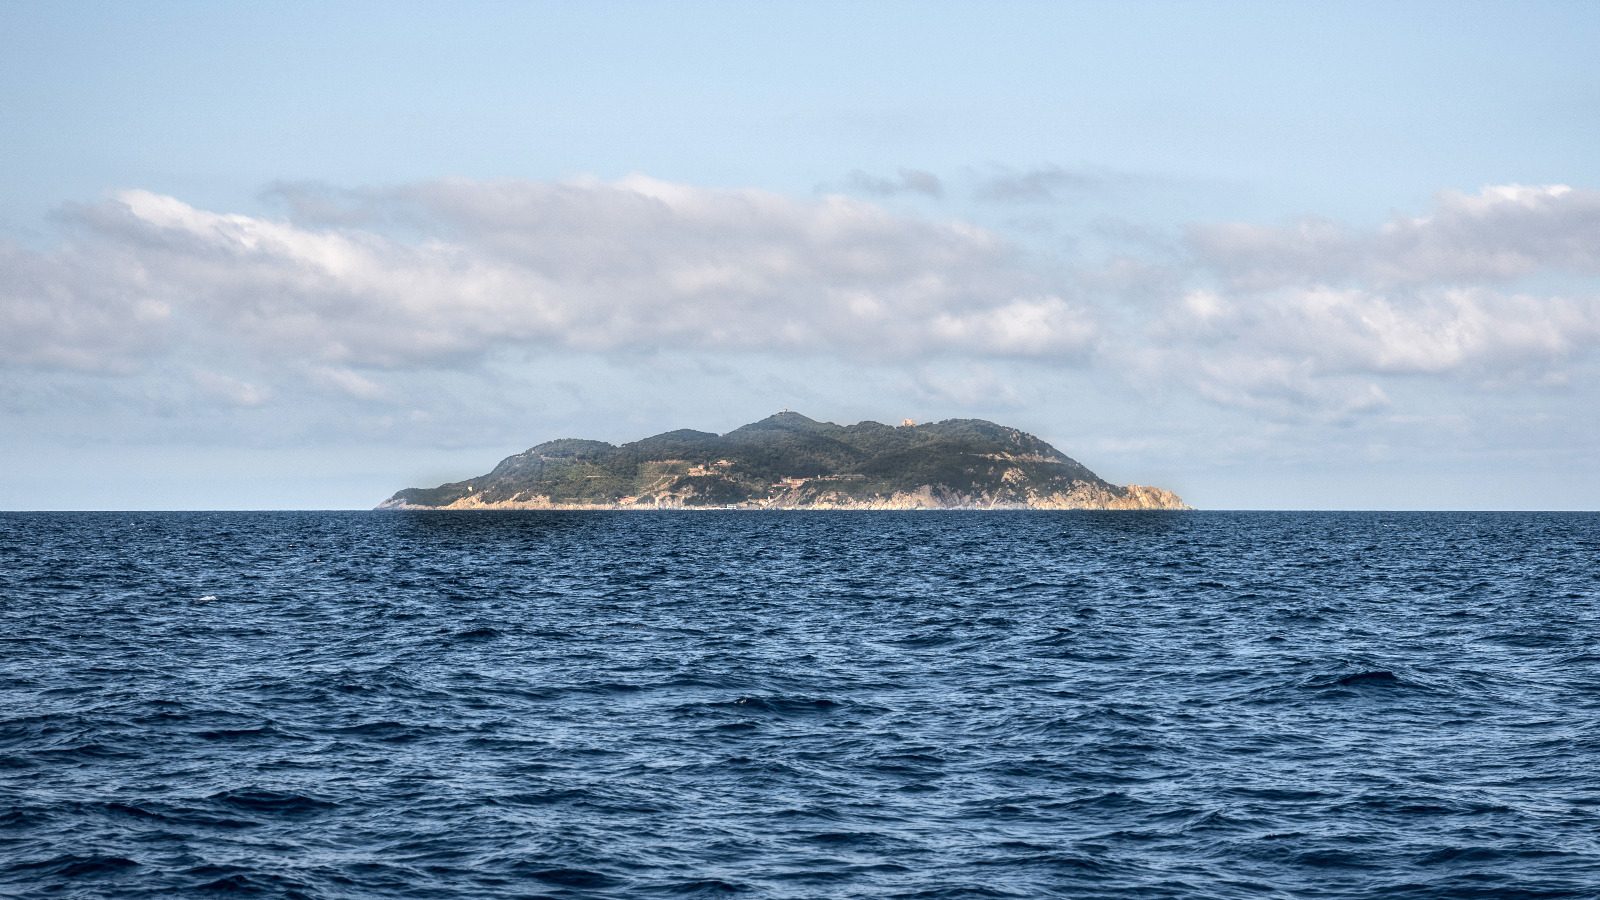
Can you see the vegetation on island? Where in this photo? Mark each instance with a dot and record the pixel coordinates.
(790, 461)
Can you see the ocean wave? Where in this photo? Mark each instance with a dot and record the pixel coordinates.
(1231, 706)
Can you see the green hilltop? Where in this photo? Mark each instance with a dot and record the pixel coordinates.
(789, 461)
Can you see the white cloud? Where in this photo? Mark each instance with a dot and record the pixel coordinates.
(354, 290)
(446, 272)
(76, 312)
(347, 382)
(968, 385)
(1043, 326)
(232, 391)
(1487, 288)
(1498, 234)
(1437, 331)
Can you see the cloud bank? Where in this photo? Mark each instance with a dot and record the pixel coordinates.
(443, 273)
(1496, 235)
(1484, 288)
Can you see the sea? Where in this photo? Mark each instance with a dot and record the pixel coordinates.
(800, 704)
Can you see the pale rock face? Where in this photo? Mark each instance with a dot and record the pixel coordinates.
(1134, 496)
(1144, 497)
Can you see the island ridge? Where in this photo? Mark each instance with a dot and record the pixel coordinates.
(789, 461)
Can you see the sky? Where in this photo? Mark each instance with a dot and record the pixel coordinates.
(1267, 255)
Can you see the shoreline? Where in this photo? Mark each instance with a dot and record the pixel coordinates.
(522, 506)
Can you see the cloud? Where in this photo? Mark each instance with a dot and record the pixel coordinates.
(1041, 184)
(353, 292)
(965, 385)
(1499, 234)
(1487, 288)
(1041, 326)
(77, 310)
(232, 391)
(905, 181)
(444, 273)
(1434, 331)
(347, 382)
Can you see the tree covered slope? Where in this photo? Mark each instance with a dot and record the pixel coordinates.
(791, 461)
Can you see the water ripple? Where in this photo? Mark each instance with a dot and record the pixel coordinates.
(800, 705)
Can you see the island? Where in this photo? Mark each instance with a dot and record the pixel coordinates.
(789, 461)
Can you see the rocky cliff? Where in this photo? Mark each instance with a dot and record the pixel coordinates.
(788, 461)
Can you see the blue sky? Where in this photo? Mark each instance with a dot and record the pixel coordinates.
(1268, 255)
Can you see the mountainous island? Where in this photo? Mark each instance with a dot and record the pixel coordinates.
(788, 461)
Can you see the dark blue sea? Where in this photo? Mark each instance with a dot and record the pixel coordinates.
(800, 705)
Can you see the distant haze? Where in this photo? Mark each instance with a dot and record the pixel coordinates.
(1265, 256)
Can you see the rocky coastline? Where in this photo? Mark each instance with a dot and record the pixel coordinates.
(791, 462)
